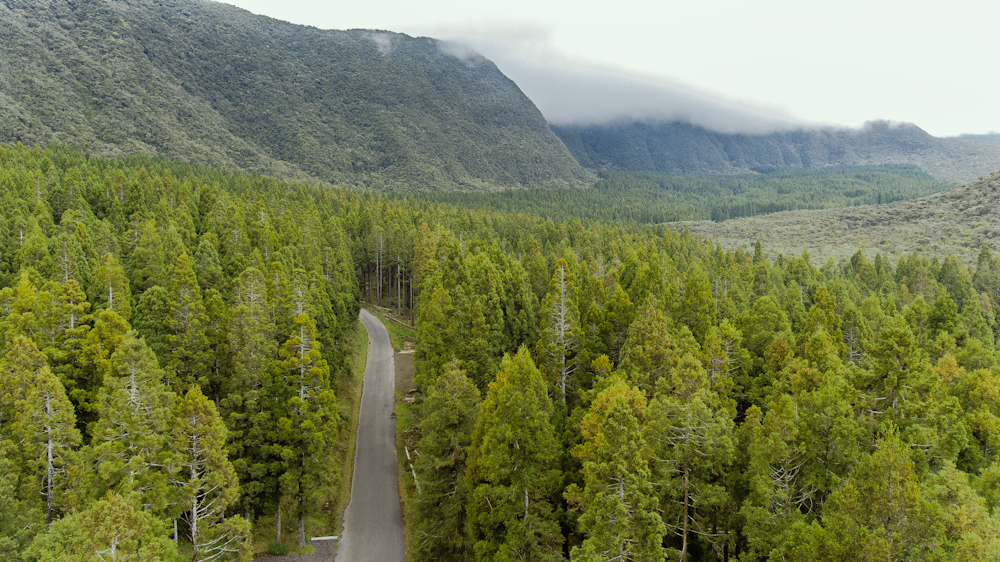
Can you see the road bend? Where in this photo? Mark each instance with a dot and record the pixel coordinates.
(373, 522)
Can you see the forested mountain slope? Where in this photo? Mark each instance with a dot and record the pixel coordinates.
(647, 197)
(958, 221)
(212, 84)
(682, 148)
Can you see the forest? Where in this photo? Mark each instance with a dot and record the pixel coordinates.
(174, 341)
(647, 197)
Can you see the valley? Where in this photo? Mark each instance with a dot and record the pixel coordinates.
(633, 340)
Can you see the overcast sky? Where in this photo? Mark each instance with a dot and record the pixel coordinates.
(734, 66)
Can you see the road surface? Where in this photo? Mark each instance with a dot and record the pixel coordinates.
(373, 522)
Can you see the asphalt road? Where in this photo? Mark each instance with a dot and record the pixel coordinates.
(373, 522)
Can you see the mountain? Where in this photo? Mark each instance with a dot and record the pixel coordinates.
(988, 137)
(682, 148)
(215, 85)
(957, 221)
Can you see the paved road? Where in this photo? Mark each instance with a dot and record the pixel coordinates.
(373, 522)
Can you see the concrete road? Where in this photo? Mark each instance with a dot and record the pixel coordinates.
(373, 522)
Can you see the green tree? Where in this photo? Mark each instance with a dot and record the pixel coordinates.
(43, 425)
(620, 509)
(692, 434)
(561, 331)
(131, 447)
(308, 426)
(114, 528)
(109, 288)
(206, 481)
(878, 514)
(449, 419)
(187, 343)
(252, 337)
(512, 474)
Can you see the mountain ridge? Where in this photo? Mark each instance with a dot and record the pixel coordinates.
(679, 147)
(215, 85)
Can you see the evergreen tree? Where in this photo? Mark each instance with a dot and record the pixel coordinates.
(512, 474)
(42, 423)
(307, 427)
(109, 289)
(206, 482)
(619, 502)
(130, 443)
(114, 528)
(252, 338)
(187, 320)
(561, 332)
(449, 418)
(693, 439)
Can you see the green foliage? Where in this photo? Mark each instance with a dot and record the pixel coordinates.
(372, 109)
(619, 502)
(644, 197)
(742, 404)
(450, 412)
(113, 528)
(512, 470)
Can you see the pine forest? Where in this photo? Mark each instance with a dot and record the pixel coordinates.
(176, 363)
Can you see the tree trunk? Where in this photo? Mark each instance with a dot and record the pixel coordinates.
(279, 524)
(302, 525)
(684, 533)
(50, 464)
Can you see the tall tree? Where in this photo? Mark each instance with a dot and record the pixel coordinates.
(113, 528)
(619, 502)
(512, 474)
(131, 447)
(206, 482)
(693, 438)
(449, 419)
(43, 424)
(561, 332)
(187, 342)
(308, 426)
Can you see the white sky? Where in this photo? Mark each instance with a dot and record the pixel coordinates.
(933, 64)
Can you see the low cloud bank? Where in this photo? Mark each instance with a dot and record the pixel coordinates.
(571, 92)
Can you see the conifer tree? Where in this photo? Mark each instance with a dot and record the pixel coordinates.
(147, 265)
(152, 321)
(42, 423)
(131, 450)
(512, 474)
(436, 333)
(561, 332)
(308, 425)
(20, 520)
(449, 419)
(206, 482)
(187, 321)
(619, 502)
(113, 528)
(252, 339)
(109, 288)
(693, 439)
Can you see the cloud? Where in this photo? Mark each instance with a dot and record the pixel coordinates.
(572, 91)
(460, 51)
(383, 42)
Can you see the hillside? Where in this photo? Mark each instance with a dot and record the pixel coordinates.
(215, 85)
(956, 221)
(647, 197)
(681, 148)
